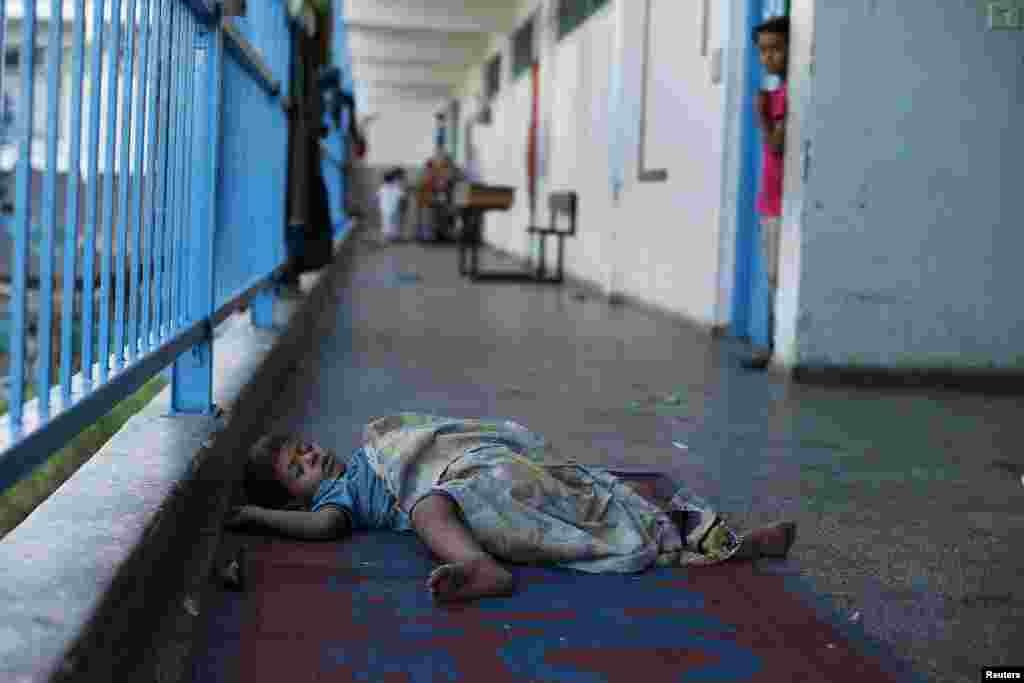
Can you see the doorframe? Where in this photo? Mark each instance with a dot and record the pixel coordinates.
(739, 179)
(738, 173)
(742, 302)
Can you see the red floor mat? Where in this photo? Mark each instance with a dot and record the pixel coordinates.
(359, 611)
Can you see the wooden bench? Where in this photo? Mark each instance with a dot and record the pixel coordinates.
(562, 211)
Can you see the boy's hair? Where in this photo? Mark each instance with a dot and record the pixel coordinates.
(773, 25)
(262, 487)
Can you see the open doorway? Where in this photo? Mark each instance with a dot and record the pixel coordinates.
(751, 301)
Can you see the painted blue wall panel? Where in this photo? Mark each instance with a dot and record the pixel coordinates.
(251, 183)
(751, 295)
(190, 207)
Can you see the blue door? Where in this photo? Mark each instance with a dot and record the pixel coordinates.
(750, 300)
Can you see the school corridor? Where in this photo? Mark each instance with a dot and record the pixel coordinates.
(906, 567)
(166, 167)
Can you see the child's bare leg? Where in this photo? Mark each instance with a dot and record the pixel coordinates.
(469, 571)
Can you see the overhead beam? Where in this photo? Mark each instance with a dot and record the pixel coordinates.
(382, 105)
(392, 87)
(415, 46)
(412, 60)
(412, 53)
(434, 17)
(407, 73)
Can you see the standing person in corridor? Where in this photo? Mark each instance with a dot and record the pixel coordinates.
(772, 40)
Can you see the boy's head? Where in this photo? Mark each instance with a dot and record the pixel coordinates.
(772, 40)
(283, 471)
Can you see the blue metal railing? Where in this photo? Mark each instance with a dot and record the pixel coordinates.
(180, 190)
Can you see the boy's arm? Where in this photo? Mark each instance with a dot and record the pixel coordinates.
(330, 522)
(774, 131)
(777, 135)
(764, 120)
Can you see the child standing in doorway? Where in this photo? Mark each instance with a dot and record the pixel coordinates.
(772, 40)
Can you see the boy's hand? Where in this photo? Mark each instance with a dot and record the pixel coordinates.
(776, 133)
(240, 516)
(762, 110)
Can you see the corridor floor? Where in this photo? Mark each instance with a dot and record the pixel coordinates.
(910, 504)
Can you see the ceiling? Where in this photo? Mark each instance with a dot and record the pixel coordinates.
(404, 50)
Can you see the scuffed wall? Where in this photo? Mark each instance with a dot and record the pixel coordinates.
(910, 238)
(660, 243)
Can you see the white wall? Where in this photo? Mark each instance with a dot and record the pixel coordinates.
(799, 120)
(500, 147)
(402, 134)
(669, 236)
(660, 243)
(910, 238)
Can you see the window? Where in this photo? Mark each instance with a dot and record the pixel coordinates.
(572, 13)
(522, 49)
(492, 77)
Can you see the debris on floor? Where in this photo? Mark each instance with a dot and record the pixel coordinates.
(665, 404)
(191, 607)
(232, 574)
(371, 242)
(512, 391)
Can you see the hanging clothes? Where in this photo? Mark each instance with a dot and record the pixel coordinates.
(309, 233)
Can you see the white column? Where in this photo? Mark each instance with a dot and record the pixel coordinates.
(624, 120)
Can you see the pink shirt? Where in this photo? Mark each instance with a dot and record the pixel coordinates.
(769, 199)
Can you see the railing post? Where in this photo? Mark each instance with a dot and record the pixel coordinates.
(192, 376)
(262, 306)
(23, 220)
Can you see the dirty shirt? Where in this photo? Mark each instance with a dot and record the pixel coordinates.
(769, 199)
(364, 496)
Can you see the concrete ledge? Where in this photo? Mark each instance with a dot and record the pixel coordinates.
(102, 581)
(990, 382)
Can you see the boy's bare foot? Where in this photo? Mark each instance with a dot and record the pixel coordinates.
(469, 580)
(774, 540)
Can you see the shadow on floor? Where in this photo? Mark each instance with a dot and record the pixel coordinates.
(906, 525)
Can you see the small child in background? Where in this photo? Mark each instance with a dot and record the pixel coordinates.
(391, 197)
